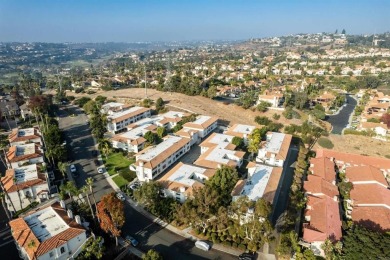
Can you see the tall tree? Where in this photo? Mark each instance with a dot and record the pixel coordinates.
(90, 182)
(110, 211)
(62, 167)
(85, 190)
(105, 146)
(152, 255)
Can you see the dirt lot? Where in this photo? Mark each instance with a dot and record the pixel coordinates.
(235, 114)
(197, 104)
(360, 145)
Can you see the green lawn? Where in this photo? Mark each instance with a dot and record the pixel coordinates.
(117, 163)
(120, 181)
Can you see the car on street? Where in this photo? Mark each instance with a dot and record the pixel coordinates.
(246, 256)
(100, 170)
(131, 240)
(96, 162)
(72, 168)
(120, 196)
(202, 245)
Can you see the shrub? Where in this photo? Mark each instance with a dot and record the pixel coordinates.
(234, 244)
(262, 120)
(128, 175)
(227, 243)
(276, 116)
(325, 142)
(242, 247)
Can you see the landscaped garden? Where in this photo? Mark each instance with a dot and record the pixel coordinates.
(118, 163)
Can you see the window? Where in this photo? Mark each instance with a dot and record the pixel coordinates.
(62, 250)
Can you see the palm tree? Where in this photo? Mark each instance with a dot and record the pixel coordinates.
(2, 198)
(105, 146)
(85, 190)
(6, 194)
(89, 183)
(71, 189)
(62, 168)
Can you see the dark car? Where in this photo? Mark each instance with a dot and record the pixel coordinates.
(96, 162)
(131, 240)
(246, 256)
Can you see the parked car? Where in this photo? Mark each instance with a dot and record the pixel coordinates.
(120, 196)
(202, 245)
(96, 162)
(100, 170)
(134, 185)
(246, 256)
(72, 168)
(131, 240)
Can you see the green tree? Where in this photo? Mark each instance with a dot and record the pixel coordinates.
(343, 31)
(159, 104)
(148, 194)
(151, 137)
(263, 106)
(362, 243)
(62, 167)
(89, 182)
(238, 142)
(91, 107)
(92, 249)
(254, 141)
(212, 92)
(161, 132)
(85, 190)
(223, 182)
(152, 255)
(105, 146)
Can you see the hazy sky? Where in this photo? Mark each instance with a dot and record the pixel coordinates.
(165, 20)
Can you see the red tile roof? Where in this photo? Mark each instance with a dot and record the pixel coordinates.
(325, 220)
(318, 185)
(371, 217)
(365, 173)
(23, 234)
(324, 168)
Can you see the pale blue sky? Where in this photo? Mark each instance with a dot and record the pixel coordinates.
(164, 20)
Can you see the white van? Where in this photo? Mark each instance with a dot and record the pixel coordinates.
(202, 245)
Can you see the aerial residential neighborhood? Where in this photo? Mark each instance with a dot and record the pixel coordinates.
(194, 130)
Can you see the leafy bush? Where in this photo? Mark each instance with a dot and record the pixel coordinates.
(325, 142)
(128, 175)
(262, 120)
(242, 247)
(276, 116)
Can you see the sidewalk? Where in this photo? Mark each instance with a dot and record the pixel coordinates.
(183, 233)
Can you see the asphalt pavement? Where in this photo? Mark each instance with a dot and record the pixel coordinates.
(341, 120)
(149, 234)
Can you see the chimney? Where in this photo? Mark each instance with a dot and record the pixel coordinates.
(62, 204)
(70, 213)
(78, 219)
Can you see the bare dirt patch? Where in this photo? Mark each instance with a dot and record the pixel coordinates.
(196, 104)
(359, 144)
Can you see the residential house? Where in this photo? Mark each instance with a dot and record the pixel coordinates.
(322, 215)
(217, 150)
(204, 124)
(180, 182)
(241, 131)
(8, 108)
(275, 149)
(275, 98)
(20, 155)
(119, 120)
(49, 233)
(154, 160)
(380, 129)
(325, 99)
(25, 136)
(369, 202)
(262, 182)
(26, 184)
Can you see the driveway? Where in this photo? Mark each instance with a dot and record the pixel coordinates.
(285, 184)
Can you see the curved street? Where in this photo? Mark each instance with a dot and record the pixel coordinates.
(149, 234)
(341, 119)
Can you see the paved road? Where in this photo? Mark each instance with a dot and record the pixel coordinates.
(285, 182)
(7, 246)
(341, 120)
(150, 234)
